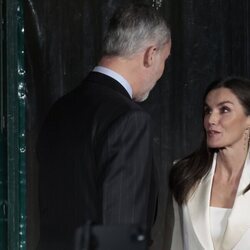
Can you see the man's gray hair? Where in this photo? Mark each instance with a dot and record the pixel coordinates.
(133, 28)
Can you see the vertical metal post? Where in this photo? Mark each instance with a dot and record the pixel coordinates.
(15, 120)
(3, 166)
(21, 129)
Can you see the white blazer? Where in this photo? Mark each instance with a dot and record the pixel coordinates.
(192, 228)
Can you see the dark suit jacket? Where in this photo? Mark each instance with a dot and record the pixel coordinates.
(95, 157)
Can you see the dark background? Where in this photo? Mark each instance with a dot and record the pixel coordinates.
(210, 40)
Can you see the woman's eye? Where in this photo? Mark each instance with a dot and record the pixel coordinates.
(225, 109)
(207, 110)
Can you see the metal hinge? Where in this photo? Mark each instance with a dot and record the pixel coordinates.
(3, 123)
(4, 208)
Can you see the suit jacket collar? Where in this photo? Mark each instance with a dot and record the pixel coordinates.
(107, 81)
(239, 219)
(198, 208)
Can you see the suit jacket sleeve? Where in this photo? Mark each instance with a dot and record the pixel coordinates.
(126, 162)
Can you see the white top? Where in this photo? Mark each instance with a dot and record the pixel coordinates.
(115, 76)
(218, 224)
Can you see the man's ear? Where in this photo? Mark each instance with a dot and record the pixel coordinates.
(149, 56)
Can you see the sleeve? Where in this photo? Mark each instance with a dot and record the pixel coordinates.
(126, 160)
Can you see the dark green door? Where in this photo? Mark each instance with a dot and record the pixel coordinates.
(3, 163)
(12, 134)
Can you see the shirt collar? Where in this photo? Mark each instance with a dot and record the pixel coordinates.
(115, 76)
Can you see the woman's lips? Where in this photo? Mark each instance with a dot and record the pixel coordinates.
(212, 132)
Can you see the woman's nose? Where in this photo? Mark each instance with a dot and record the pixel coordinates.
(213, 118)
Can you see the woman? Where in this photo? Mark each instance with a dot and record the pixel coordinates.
(211, 186)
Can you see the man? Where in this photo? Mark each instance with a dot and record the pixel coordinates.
(95, 148)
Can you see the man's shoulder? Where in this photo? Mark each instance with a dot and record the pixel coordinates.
(105, 85)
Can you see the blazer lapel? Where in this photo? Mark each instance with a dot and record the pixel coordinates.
(239, 219)
(198, 207)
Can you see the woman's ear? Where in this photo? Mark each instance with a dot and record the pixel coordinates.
(248, 121)
(149, 56)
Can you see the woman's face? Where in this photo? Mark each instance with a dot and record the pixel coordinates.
(225, 121)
